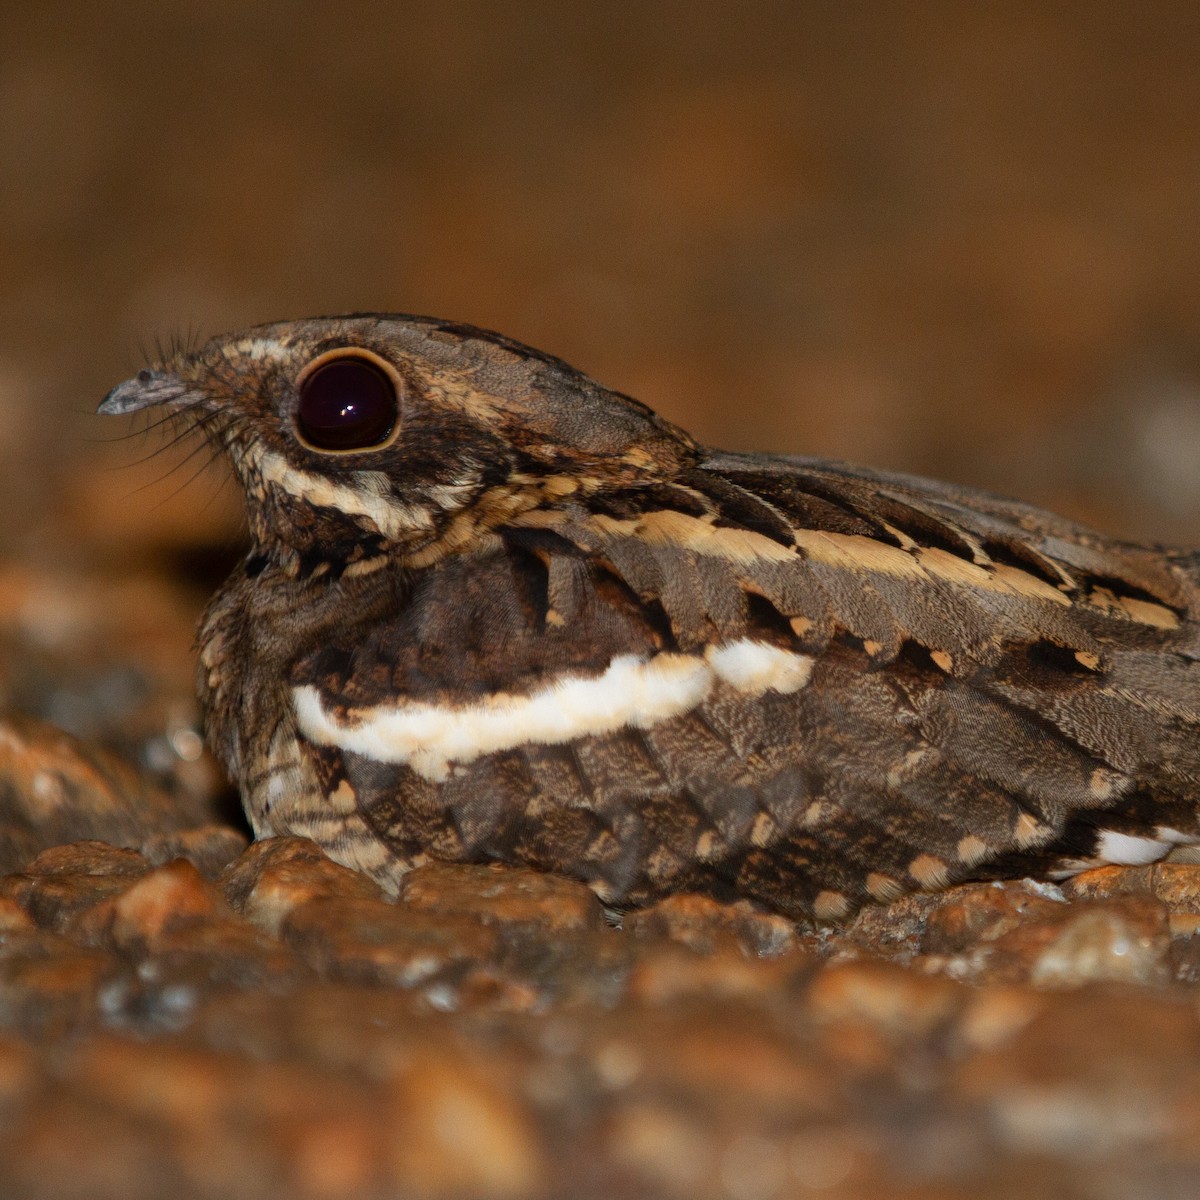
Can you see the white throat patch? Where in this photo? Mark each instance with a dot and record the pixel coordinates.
(632, 690)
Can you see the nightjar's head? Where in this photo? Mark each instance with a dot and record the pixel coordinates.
(376, 434)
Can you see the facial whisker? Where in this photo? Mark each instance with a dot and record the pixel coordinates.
(211, 426)
(182, 425)
(204, 466)
(199, 448)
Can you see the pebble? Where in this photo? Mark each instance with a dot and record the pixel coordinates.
(276, 875)
(456, 1131)
(1129, 943)
(706, 925)
(498, 895)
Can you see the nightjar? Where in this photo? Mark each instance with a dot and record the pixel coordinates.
(494, 611)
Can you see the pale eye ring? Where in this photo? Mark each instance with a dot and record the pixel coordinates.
(347, 401)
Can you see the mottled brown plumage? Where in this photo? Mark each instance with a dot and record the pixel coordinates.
(535, 623)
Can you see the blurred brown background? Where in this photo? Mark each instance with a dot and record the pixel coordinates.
(948, 238)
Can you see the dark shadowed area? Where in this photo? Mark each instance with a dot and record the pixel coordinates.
(941, 238)
(952, 239)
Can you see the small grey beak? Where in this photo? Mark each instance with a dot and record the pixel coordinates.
(145, 390)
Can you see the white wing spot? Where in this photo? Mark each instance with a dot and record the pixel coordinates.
(631, 691)
(1177, 837)
(1125, 850)
(756, 667)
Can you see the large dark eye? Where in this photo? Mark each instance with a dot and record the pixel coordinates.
(346, 404)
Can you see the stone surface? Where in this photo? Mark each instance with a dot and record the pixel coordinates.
(106, 659)
(288, 1031)
(54, 788)
(548, 904)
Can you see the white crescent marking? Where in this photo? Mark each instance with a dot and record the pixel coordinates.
(631, 691)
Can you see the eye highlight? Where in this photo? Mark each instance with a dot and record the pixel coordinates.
(348, 402)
